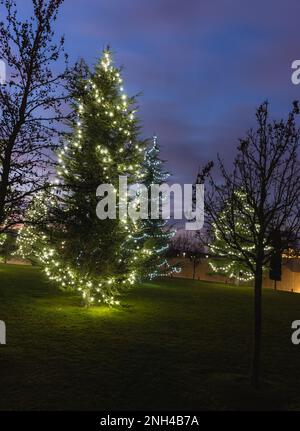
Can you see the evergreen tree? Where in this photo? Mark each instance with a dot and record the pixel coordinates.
(81, 250)
(7, 245)
(225, 257)
(2, 238)
(155, 235)
(33, 238)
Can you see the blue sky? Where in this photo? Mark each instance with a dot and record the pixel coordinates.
(202, 66)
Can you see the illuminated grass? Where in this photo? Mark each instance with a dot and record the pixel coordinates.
(175, 344)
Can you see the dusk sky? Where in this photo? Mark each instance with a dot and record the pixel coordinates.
(202, 66)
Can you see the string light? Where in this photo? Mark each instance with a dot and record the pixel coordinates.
(221, 250)
(153, 236)
(115, 156)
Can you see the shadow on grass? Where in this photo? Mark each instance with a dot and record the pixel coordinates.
(234, 392)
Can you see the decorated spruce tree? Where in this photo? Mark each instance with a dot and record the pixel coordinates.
(95, 256)
(2, 238)
(7, 245)
(154, 237)
(225, 259)
(33, 239)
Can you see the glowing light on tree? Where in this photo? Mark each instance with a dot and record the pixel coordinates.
(76, 249)
(153, 242)
(225, 260)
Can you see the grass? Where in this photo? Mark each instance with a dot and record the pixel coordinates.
(175, 344)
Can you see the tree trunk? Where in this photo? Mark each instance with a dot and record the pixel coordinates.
(255, 371)
(194, 269)
(4, 182)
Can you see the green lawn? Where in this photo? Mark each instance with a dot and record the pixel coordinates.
(175, 344)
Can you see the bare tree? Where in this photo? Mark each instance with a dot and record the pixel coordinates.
(189, 243)
(31, 104)
(267, 172)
